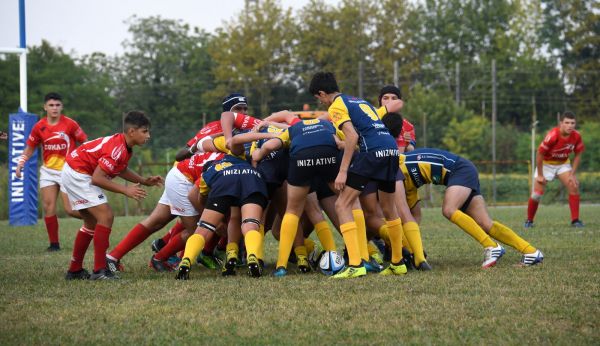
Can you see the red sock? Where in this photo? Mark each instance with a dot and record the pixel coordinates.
(82, 242)
(52, 228)
(209, 246)
(135, 237)
(101, 243)
(574, 206)
(174, 245)
(532, 207)
(176, 229)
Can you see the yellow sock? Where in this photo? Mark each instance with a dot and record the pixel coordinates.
(361, 233)
(385, 234)
(193, 246)
(252, 240)
(395, 230)
(261, 248)
(289, 226)
(467, 224)
(510, 238)
(233, 249)
(309, 244)
(372, 249)
(413, 234)
(301, 251)
(348, 230)
(325, 236)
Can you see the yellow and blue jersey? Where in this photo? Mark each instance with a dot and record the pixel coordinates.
(229, 166)
(258, 144)
(425, 166)
(372, 133)
(307, 134)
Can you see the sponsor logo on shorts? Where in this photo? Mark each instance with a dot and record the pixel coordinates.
(323, 161)
(386, 153)
(100, 196)
(181, 210)
(81, 201)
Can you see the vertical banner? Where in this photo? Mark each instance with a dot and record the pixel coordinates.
(23, 192)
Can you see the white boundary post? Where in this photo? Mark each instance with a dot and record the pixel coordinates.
(22, 72)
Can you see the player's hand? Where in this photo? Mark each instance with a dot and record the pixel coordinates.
(262, 124)
(3, 135)
(407, 137)
(154, 181)
(340, 181)
(228, 144)
(18, 171)
(136, 192)
(541, 179)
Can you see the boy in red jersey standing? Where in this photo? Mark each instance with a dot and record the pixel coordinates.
(89, 169)
(58, 135)
(553, 161)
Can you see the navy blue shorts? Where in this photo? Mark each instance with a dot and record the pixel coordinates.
(371, 186)
(274, 170)
(464, 173)
(238, 186)
(380, 166)
(307, 165)
(321, 188)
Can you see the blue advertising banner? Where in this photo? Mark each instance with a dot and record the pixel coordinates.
(22, 192)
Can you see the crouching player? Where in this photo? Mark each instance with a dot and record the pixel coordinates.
(229, 182)
(89, 169)
(463, 203)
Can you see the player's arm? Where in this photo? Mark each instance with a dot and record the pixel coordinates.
(135, 178)
(281, 117)
(248, 137)
(394, 106)
(22, 159)
(269, 146)
(101, 179)
(227, 120)
(350, 142)
(576, 162)
(539, 165)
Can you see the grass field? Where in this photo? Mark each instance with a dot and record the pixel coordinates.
(457, 303)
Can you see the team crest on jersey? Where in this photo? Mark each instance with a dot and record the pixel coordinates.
(117, 152)
(418, 157)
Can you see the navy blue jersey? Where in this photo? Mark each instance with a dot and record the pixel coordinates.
(307, 134)
(372, 133)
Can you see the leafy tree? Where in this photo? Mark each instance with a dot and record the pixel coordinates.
(253, 54)
(164, 72)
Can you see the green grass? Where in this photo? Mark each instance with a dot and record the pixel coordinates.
(457, 303)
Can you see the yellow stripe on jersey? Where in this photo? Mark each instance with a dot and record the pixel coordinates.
(55, 162)
(285, 138)
(339, 112)
(219, 144)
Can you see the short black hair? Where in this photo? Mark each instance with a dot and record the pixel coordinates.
(323, 81)
(135, 120)
(52, 96)
(567, 114)
(393, 121)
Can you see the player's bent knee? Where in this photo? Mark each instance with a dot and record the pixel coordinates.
(537, 195)
(251, 224)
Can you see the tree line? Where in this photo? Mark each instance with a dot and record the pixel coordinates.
(546, 53)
